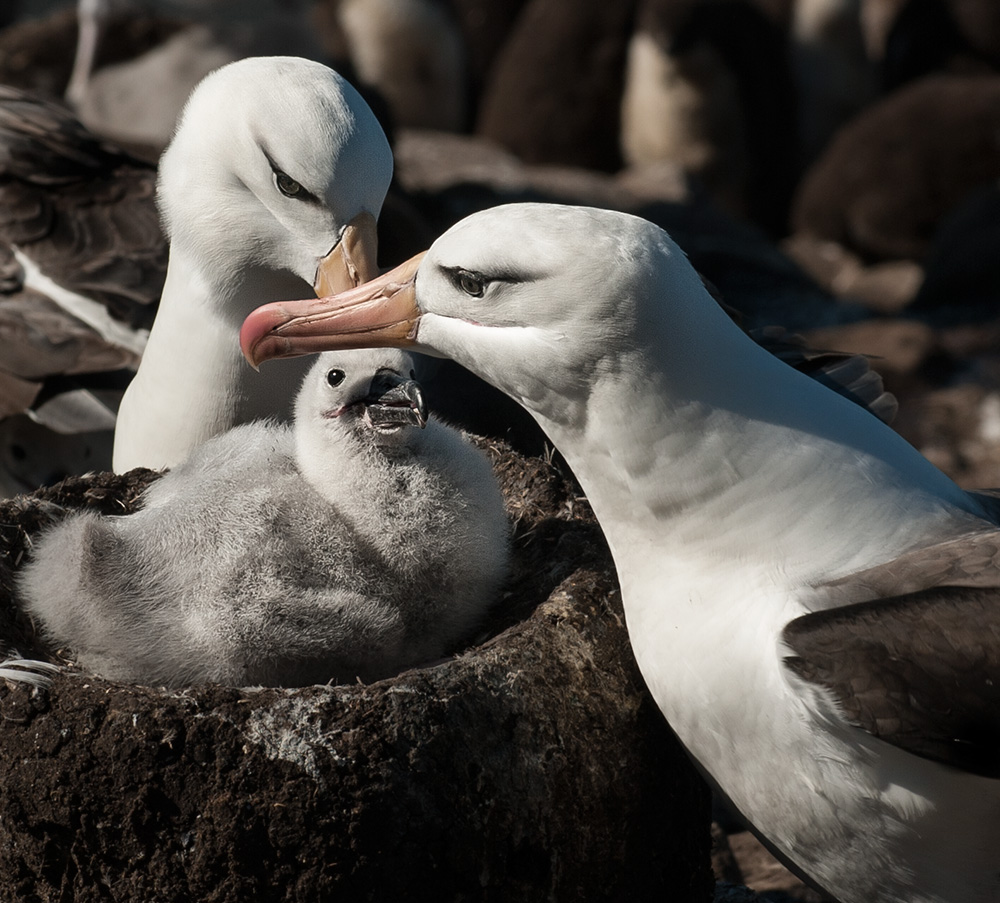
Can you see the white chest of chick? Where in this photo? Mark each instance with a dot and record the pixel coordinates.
(361, 541)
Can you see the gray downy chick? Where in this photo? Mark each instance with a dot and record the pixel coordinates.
(362, 540)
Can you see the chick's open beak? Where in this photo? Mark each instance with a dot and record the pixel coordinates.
(395, 401)
(381, 313)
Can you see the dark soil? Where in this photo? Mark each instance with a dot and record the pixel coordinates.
(533, 766)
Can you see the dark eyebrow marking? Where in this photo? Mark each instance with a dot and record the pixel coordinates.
(510, 276)
(305, 194)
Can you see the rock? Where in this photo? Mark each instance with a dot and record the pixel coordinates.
(733, 893)
(533, 766)
(724, 865)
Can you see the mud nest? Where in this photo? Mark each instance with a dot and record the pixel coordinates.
(530, 766)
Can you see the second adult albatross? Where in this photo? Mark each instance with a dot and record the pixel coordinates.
(813, 605)
(364, 540)
(272, 184)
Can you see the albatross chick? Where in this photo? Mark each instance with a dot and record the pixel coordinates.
(361, 541)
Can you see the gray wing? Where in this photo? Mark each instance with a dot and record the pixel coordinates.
(917, 663)
(921, 671)
(967, 560)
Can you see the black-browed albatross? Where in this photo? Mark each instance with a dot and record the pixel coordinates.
(813, 605)
(272, 184)
(363, 540)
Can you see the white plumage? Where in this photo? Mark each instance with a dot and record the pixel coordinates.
(813, 605)
(271, 184)
(350, 546)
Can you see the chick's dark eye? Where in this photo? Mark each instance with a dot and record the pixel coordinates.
(413, 374)
(471, 284)
(335, 377)
(287, 185)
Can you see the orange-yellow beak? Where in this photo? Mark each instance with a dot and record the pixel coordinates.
(381, 313)
(353, 260)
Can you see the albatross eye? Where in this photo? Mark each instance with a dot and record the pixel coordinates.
(470, 283)
(335, 377)
(287, 185)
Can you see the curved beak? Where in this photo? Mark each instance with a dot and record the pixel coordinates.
(382, 313)
(352, 260)
(394, 401)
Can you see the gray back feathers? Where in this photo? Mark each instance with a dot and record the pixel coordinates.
(351, 545)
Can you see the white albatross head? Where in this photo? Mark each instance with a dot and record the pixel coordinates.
(271, 186)
(355, 411)
(541, 300)
(371, 392)
(596, 323)
(278, 168)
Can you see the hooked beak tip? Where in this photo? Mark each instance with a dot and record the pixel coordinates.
(380, 313)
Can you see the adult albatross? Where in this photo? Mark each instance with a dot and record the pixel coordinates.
(271, 185)
(812, 604)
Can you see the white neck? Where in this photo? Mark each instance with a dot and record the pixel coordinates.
(193, 382)
(721, 516)
(384, 494)
(334, 462)
(751, 465)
